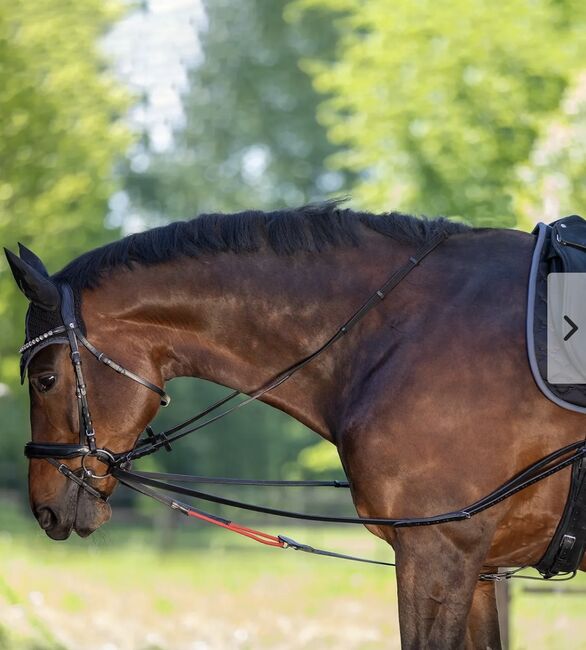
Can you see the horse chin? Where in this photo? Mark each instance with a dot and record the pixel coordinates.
(90, 515)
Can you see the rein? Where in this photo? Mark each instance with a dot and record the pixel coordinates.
(146, 483)
(541, 469)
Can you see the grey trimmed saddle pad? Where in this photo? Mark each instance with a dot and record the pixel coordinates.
(556, 312)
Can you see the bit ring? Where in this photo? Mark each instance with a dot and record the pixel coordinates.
(106, 457)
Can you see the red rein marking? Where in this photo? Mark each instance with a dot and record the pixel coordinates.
(251, 533)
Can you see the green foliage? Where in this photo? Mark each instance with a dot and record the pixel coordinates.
(251, 138)
(256, 442)
(460, 108)
(45, 640)
(60, 134)
(437, 103)
(320, 460)
(553, 178)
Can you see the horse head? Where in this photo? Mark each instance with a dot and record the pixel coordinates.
(76, 403)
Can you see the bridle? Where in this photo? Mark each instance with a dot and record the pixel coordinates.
(118, 464)
(87, 446)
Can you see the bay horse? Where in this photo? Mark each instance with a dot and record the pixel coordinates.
(429, 401)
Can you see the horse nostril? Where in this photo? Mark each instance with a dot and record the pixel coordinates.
(46, 518)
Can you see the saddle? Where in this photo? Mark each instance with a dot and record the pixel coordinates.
(557, 360)
(556, 325)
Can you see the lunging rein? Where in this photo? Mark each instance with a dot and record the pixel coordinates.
(118, 464)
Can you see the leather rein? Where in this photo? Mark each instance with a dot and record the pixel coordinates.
(118, 464)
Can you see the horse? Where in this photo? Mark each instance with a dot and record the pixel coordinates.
(429, 400)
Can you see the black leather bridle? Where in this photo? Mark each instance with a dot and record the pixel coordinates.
(87, 446)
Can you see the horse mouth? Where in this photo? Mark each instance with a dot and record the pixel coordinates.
(86, 516)
(61, 533)
(90, 514)
(85, 531)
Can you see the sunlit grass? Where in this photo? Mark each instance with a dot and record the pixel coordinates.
(120, 590)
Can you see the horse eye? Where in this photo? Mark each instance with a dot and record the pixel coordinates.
(44, 383)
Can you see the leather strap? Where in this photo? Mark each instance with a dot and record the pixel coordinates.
(537, 471)
(121, 370)
(216, 480)
(568, 544)
(279, 541)
(79, 480)
(55, 450)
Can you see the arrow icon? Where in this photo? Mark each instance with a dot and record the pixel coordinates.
(572, 325)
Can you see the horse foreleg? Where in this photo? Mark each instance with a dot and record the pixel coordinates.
(437, 584)
(483, 631)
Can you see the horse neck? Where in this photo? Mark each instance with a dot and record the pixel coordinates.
(238, 320)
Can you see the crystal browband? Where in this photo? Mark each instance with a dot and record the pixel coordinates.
(41, 338)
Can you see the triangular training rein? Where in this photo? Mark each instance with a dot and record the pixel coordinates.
(152, 484)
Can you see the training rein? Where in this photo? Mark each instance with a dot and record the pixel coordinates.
(147, 483)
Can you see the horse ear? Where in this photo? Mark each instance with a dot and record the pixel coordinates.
(35, 286)
(32, 260)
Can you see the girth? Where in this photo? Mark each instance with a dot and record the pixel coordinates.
(566, 549)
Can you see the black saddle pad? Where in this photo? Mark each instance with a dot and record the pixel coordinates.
(559, 248)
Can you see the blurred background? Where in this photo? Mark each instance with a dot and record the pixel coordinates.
(118, 116)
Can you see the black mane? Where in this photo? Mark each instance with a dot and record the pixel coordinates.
(310, 228)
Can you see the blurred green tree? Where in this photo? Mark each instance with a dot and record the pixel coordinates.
(436, 104)
(250, 138)
(61, 132)
(552, 180)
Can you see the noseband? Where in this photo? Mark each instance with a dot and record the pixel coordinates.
(86, 447)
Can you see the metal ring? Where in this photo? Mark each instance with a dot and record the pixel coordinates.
(96, 454)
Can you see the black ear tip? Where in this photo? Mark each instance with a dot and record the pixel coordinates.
(27, 256)
(10, 256)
